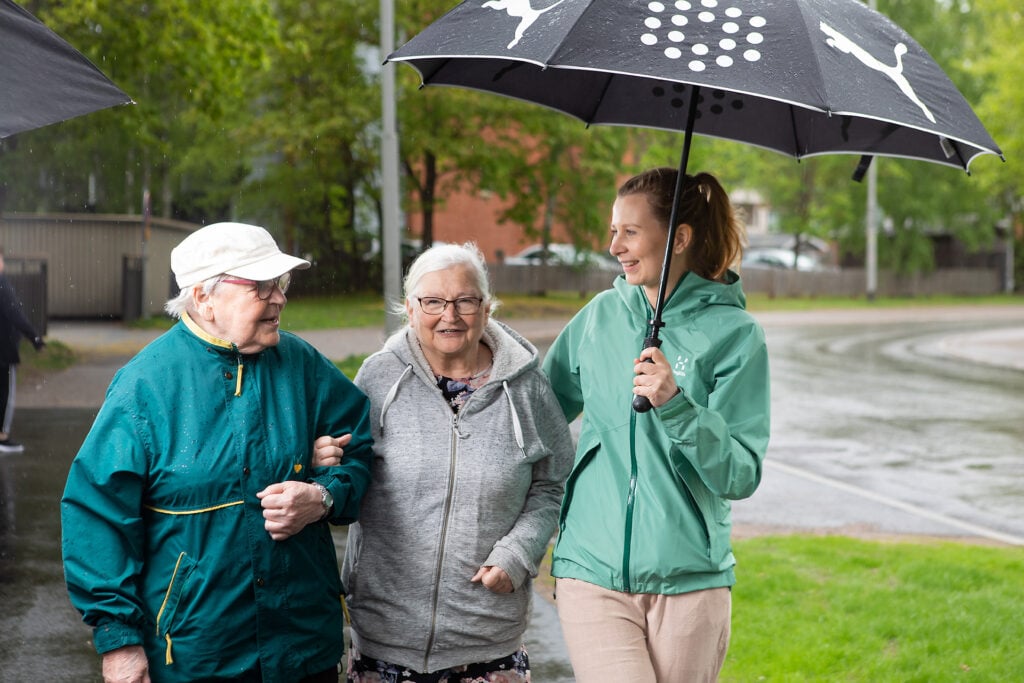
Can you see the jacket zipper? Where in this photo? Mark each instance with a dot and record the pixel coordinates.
(168, 658)
(444, 535)
(627, 535)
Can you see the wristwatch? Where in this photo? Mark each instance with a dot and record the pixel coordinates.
(326, 499)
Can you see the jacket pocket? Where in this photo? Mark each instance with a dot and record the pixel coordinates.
(570, 482)
(165, 617)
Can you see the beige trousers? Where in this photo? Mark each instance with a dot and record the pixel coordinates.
(643, 638)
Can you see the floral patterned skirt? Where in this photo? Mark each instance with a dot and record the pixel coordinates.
(514, 668)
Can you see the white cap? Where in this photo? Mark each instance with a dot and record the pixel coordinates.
(246, 251)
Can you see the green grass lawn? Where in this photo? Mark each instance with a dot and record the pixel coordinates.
(833, 608)
(368, 309)
(808, 608)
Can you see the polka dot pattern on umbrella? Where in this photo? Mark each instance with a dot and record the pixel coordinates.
(740, 36)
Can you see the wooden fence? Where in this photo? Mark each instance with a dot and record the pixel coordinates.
(849, 282)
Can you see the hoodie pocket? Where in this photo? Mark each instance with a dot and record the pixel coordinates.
(176, 586)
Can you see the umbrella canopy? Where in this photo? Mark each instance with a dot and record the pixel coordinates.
(801, 77)
(43, 79)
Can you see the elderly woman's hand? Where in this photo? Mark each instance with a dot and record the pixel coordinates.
(494, 579)
(289, 506)
(328, 451)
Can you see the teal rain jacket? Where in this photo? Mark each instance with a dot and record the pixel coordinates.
(163, 536)
(646, 507)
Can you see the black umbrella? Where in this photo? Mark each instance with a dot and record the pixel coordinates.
(800, 77)
(43, 79)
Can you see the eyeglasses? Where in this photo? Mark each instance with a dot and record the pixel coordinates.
(466, 305)
(264, 288)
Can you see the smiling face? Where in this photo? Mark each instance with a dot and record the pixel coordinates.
(638, 243)
(448, 337)
(234, 313)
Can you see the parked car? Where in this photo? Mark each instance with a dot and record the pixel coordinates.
(780, 258)
(560, 254)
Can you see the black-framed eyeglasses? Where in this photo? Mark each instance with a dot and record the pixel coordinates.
(465, 305)
(264, 288)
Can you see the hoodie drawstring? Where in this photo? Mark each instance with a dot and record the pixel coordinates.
(392, 392)
(517, 428)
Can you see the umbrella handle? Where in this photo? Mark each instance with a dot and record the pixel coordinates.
(642, 404)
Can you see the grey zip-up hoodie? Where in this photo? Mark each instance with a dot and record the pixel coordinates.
(450, 493)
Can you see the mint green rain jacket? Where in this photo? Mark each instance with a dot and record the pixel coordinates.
(163, 536)
(646, 507)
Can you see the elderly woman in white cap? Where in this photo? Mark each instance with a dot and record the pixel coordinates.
(195, 528)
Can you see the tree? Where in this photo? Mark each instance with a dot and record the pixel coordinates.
(187, 64)
(316, 137)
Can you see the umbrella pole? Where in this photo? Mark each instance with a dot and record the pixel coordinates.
(642, 404)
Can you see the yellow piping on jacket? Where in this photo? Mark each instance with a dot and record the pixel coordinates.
(216, 341)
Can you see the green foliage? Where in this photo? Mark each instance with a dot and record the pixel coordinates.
(187, 64)
(832, 608)
(268, 112)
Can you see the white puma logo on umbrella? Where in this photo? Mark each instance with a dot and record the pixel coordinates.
(844, 44)
(522, 10)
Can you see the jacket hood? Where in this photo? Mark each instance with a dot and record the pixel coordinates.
(691, 294)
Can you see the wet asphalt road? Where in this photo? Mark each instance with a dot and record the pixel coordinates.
(876, 429)
(882, 428)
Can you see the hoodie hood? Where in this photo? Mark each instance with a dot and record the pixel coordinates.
(512, 354)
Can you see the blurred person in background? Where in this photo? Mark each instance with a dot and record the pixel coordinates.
(195, 528)
(13, 326)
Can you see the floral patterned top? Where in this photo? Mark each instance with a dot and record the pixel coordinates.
(458, 391)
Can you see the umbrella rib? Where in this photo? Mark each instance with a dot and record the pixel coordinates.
(796, 133)
(599, 100)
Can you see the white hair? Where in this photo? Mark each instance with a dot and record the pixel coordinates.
(183, 301)
(443, 257)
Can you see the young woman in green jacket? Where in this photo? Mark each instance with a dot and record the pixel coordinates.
(643, 559)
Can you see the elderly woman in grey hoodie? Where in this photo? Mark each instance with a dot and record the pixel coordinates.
(470, 454)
